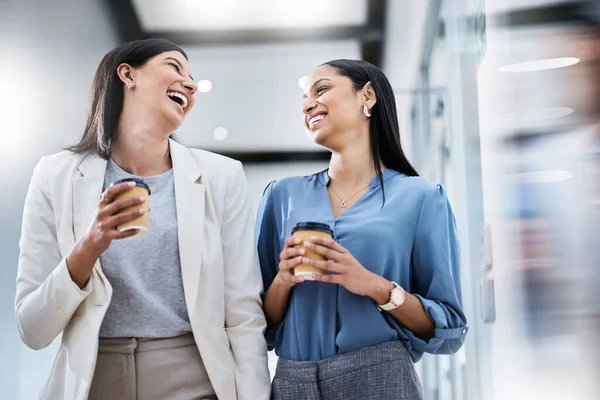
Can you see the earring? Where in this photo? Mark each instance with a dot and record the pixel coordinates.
(129, 85)
(366, 112)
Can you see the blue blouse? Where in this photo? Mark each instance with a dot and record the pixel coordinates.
(411, 240)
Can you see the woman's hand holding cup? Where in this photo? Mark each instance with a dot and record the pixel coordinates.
(289, 258)
(109, 215)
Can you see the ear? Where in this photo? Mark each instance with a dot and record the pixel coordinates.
(369, 96)
(126, 74)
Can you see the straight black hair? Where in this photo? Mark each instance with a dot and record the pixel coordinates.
(384, 131)
(106, 97)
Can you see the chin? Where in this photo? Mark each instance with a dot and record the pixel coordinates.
(173, 120)
(319, 137)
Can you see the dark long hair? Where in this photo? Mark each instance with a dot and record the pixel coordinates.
(106, 97)
(384, 130)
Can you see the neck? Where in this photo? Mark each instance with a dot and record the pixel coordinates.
(140, 149)
(352, 166)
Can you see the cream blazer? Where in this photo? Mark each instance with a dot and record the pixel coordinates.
(219, 264)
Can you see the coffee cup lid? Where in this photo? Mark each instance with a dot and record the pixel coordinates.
(313, 226)
(138, 182)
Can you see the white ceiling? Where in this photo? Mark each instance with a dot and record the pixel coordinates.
(255, 94)
(197, 15)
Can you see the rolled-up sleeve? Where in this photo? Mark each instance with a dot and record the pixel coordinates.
(436, 276)
(268, 248)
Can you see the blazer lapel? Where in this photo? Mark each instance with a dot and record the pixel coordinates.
(190, 203)
(87, 189)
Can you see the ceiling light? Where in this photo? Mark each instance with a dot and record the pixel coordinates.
(220, 133)
(204, 85)
(540, 65)
(544, 176)
(541, 113)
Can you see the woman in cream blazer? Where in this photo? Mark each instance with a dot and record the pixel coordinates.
(62, 286)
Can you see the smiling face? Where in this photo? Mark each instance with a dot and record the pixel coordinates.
(162, 87)
(332, 106)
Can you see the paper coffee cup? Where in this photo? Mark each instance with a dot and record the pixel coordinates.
(305, 230)
(141, 223)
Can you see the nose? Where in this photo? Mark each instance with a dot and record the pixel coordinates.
(191, 86)
(308, 106)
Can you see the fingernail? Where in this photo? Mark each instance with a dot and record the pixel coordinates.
(142, 199)
(130, 184)
(142, 211)
(308, 244)
(297, 240)
(301, 251)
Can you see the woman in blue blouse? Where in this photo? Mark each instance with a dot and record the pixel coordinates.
(392, 289)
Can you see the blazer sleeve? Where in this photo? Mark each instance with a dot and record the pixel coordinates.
(244, 318)
(46, 296)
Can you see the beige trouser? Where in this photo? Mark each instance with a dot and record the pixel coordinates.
(150, 369)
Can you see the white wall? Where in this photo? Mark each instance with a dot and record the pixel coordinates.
(405, 21)
(49, 52)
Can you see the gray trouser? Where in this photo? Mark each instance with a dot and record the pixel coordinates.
(149, 369)
(382, 372)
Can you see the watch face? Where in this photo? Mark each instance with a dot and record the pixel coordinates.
(397, 297)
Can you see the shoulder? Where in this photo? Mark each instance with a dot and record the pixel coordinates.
(218, 172)
(414, 192)
(416, 185)
(62, 160)
(429, 197)
(422, 186)
(58, 167)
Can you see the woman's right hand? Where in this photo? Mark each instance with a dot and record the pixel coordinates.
(102, 231)
(288, 259)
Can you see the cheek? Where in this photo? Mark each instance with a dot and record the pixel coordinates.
(343, 115)
(150, 90)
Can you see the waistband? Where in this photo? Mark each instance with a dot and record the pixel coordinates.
(312, 371)
(135, 345)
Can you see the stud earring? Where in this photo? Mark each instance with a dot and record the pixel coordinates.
(129, 85)
(366, 112)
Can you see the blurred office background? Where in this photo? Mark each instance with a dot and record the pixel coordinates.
(498, 99)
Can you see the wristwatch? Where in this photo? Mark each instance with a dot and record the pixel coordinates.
(397, 297)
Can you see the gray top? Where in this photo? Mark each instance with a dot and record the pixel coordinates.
(148, 299)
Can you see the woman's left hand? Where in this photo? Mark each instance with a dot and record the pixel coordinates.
(345, 269)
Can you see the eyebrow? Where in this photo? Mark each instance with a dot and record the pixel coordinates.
(180, 66)
(315, 84)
